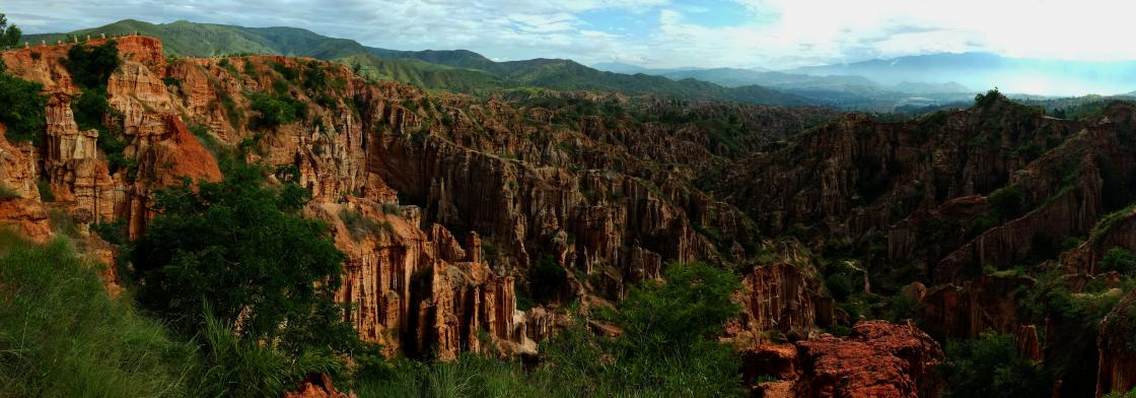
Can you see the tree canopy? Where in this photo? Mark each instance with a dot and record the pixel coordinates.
(242, 248)
(9, 35)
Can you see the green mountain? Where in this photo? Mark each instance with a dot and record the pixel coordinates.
(455, 70)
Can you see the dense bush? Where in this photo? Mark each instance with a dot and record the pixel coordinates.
(61, 335)
(9, 35)
(22, 112)
(547, 279)
(1008, 203)
(7, 193)
(990, 366)
(274, 110)
(1120, 260)
(90, 67)
(242, 248)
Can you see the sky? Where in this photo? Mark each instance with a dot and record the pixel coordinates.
(772, 34)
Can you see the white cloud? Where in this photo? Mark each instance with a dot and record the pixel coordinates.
(774, 33)
(849, 30)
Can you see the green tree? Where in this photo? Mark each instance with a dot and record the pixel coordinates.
(22, 112)
(990, 366)
(243, 249)
(274, 110)
(90, 67)
(1120, 260)
(9, 35)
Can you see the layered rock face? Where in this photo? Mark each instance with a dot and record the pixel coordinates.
(878, 359)
(783, 299)
(1117, 349)
(441, 203)
(920, 187)
(77, 173)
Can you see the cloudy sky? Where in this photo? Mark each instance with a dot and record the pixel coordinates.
(656, 33)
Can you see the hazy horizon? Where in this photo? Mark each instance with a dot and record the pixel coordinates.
(772, 34)
(669, 34)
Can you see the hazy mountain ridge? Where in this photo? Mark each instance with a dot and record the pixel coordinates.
(843, 90)
(455, 70)
(982, 70)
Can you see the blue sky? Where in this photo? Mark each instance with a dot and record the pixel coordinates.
(657, 33)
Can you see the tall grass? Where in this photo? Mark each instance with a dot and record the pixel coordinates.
(61, 335)
(233, 367)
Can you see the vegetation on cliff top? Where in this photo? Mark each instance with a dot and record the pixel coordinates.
(23, 113)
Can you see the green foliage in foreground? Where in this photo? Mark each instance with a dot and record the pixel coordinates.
(990, 366)
(669, 348)
(62, 336)
(242, 248)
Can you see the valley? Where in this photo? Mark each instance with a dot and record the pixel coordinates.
(271, 212)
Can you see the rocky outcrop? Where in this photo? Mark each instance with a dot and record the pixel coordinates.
(27, 217)
(879, 359)
(420, 293)
(18, 167)
(780, 299)
(317, 386)
(1116, 343)
(1117, 230)
(967, 309)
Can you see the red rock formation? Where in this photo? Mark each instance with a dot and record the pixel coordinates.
(780, 298)
(1116, 343)
(27, 217)
(317, 386)
(1029, 346)
(968, 309)
(879, 359)
(18, 171)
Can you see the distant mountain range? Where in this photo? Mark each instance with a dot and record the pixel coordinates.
(456, 70)
(984, 71)
(877, 85)
(849, 91)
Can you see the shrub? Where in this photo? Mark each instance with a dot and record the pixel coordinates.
(839, 285)
(45, 192)
(991, 97)
(359, 226)
(314, 76)
(273, 111)
(9, 35)
(547, 279)
(990, 366)
(242, 248)
(7, 192)
(62, 222)
(1008, 202)
(114, 233)
(288, 73)
(23, 110)
(1120, 260)
(90, 67)
(234, 367)
(61, 335)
